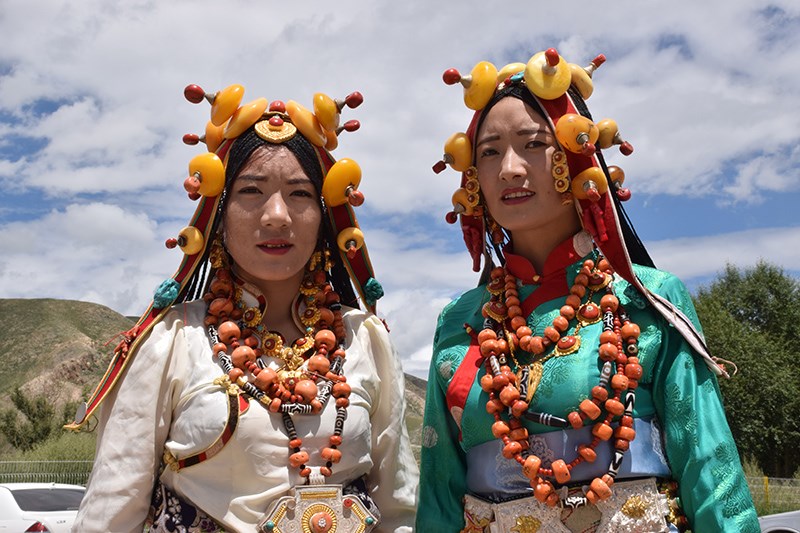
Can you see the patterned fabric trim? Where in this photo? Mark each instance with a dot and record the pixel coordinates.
(169, 513)
(634, 506)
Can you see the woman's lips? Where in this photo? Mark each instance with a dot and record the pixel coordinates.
(517, 195)
(275, 247)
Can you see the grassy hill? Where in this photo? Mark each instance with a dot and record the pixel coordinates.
(61, 348)
(55, 347)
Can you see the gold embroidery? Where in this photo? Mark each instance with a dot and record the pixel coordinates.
(526, 524)
(635, 507)
(171, 461)
(474, 524)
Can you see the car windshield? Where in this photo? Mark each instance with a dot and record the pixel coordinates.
(48, 499)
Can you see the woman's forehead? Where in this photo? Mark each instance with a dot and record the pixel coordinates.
(512, 114)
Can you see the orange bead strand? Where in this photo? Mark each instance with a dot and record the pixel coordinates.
(506, 332)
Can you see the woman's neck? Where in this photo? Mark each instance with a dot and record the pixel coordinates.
(280, 297)
(535, 245)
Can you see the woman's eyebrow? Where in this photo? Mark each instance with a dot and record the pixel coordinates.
(531, 131)
(526, 131)
(260, 177)
(487, 139)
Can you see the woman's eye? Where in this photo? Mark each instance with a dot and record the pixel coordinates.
(302, 193)
(535, 143)
(488, 152)
(249, 190)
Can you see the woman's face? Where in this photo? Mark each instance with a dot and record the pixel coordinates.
(513, 150)
(272, 217)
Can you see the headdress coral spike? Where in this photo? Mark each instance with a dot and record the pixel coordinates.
(582, 76)
(349, 126)
(195, 94)
(191, 139)
(352, 100)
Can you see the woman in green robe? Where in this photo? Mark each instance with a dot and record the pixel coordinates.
(572, 389)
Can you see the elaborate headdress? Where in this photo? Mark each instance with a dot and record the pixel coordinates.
(241, 128)
(558, 89)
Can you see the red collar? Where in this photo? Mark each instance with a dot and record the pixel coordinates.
(559, 259)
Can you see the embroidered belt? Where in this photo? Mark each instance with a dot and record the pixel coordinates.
(634, 506)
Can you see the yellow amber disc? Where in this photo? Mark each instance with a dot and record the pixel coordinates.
(213, 136)
(616, 174)
(581, 80)
(326, 111)
(333, 140)
(191, 239)
(350, 234)
(210, 171)
(459, 148)
(509, 70)
(307, 123)
(482, 86)
(244, 117)
(343, 174)
(225, 103)
(608, 130)
(543, 84)
(461, 202)
(580, 182)
(569, 130)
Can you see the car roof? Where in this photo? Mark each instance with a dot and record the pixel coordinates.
(23, 486)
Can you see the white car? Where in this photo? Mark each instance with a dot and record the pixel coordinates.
(38, 507)
(781, 522)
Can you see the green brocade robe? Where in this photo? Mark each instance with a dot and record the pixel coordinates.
(677, 391)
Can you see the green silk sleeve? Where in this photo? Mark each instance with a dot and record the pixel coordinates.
(443, 467)
(702, 454)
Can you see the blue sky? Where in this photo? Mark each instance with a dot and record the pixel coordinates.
(92, 113)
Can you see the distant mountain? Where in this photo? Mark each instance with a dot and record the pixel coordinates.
(61, 348)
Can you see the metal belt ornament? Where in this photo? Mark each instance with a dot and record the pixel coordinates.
(318, 509)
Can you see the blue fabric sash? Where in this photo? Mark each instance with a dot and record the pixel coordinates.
(495, 478)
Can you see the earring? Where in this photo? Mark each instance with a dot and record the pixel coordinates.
(218, 256)
(560, 171)
(493, 228)
(561, 180)
(472, 186)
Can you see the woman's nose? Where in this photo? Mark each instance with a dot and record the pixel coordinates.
(276, 212)
(512, 165)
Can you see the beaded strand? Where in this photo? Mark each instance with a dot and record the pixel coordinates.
(312, 370)
(509, 392)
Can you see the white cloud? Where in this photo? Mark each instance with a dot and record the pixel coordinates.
(698, 257)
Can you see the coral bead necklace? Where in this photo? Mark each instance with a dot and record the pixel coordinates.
(312, 365)
(506, 332)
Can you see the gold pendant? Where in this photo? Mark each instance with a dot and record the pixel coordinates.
(534, 377)
(318, 509)
(567, 345)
